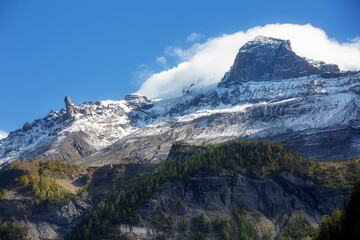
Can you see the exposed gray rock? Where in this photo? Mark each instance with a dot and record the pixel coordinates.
(323, 144)
(338, 74)
(73, 148)
(70, 108)
(43, 221)
(272, 200)
(88, 110)
(26, 127)
(138, 231)
(137, 102)
(264, 59)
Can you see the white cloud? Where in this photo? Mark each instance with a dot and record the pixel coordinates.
(206, 63)
(3, 134)
(162, 61)
(142, 73)
(181, 54)
(194, 37)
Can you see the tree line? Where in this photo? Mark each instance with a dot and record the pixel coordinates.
(262, 158)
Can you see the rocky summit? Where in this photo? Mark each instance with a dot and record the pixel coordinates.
(269, 93)
(266, 59)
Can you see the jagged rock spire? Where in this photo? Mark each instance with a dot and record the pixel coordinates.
(70, 108)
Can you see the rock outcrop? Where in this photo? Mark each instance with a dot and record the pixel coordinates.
(268, 201)
(26, 127)
(43, 221)
(88, 111)
(70, 108)
(265, 59)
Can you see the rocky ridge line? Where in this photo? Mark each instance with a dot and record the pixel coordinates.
(269, 92)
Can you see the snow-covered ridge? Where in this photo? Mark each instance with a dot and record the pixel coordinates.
(213, 98)
(255, 101)
(104, 124)
(107, 123)
(261, 41)
(110, 121)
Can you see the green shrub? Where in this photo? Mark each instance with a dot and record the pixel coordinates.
(45, 190)
(183, 225)
(57, 166)
(297, 227)
(224, 229)
(342, 224)
(160, 221)
(200, 227)
(12, 231)
(3, 192)
(246, 230)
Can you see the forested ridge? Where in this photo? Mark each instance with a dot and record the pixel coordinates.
(261, 158)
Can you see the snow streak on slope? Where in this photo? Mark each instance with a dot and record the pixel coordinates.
(215, 100)
(251, 109)
(107, 123)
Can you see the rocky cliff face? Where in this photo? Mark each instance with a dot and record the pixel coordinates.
(265, 59)
(43, 222)
(269, 92)
(269, 202)
(46, 220)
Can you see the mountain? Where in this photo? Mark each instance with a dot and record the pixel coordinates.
(266, 59)
(269, 92)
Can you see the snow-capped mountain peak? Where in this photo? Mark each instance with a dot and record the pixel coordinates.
(269, 92)
(263, 41)
(266, 59)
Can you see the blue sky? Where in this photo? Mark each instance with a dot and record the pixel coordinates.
(91, 50)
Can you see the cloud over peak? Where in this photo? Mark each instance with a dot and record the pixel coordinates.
(3, 134)
(194, 37)
(206, 63)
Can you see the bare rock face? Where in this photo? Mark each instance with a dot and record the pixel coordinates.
(70, 108)
(270, 200)
(26, 127)
(136, 101)
(88, 111)
(264, 59)
(73, 148)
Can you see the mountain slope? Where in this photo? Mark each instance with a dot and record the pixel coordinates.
(269, 92)
(269, 182)
(72, 133)
(266, 180)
